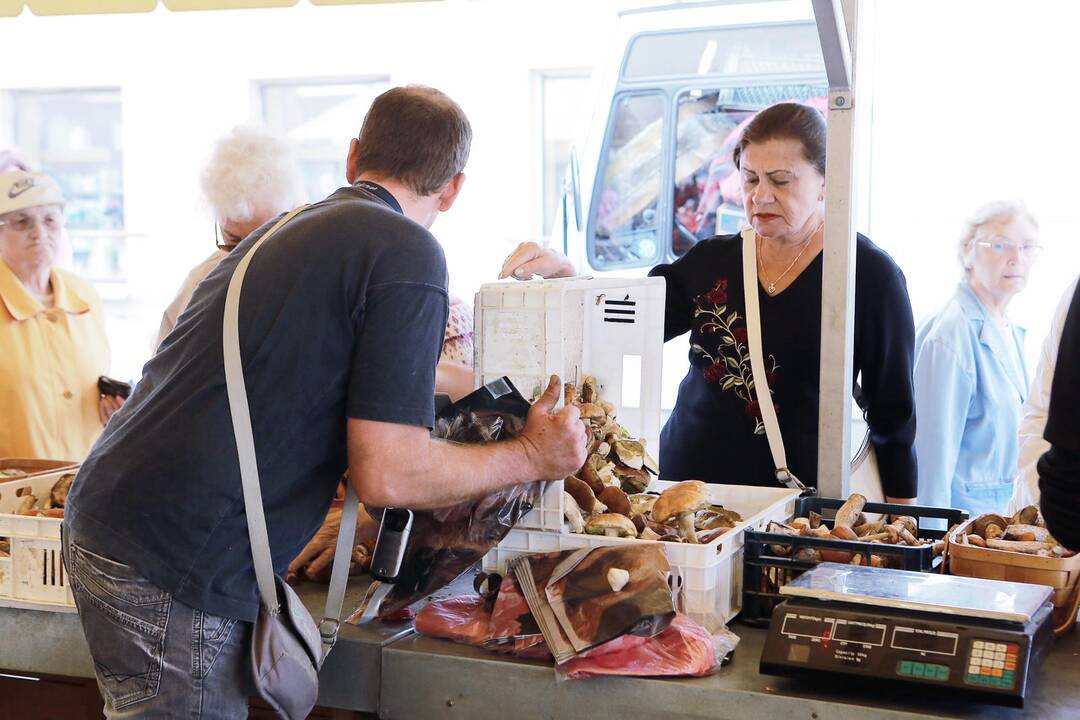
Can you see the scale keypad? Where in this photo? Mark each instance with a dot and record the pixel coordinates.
(992, 664)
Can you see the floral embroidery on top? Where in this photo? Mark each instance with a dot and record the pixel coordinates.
(729, 362)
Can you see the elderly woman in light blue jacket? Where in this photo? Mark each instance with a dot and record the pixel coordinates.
(970, 375)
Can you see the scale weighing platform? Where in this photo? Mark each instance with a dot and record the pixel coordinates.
(966, 636)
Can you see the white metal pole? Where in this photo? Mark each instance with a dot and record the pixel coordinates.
(836, 20)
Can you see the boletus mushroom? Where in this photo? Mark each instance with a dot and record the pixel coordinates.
(642, 503)
(616, 501)
(680, 502)
(989, 526)
(611, 525)
(584, 496)
(572, 513)
(631, 480)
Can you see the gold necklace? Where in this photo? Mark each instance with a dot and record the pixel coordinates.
(771, 287)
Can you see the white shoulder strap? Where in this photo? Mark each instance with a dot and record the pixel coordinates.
(757, 362)
(249, 470)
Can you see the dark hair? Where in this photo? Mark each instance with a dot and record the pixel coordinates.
(787, 121)
(415, 135)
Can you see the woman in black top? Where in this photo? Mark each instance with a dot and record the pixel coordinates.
(715, 432)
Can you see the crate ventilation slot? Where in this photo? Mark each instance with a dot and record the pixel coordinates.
(620, 311)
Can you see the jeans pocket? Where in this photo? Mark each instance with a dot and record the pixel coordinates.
(209, 633)
(124, 617)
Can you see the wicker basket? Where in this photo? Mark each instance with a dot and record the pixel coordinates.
(1062, 574)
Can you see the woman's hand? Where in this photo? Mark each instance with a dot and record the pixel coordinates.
(107, 405)
(530, 258)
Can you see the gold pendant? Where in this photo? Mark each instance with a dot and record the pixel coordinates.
(771, 289)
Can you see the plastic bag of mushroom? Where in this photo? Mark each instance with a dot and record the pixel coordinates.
(609, 494)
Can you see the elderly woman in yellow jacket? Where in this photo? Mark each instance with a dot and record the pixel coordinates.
(52, 332)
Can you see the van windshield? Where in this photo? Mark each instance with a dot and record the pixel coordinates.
(749, 50)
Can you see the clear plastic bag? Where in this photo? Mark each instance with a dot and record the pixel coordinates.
(445, 543)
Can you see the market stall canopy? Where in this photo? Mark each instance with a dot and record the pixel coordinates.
(11, 8)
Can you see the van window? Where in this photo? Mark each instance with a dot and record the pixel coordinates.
(753, 50)
(708, 194)
(623, 229)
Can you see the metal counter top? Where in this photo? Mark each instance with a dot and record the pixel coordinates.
(461, 681)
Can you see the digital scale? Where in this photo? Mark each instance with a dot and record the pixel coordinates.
(983, 639)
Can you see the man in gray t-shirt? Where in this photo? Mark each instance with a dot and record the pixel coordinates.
(341, 323)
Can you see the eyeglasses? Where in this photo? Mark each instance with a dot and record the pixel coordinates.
(1000, 245)
(225, 240)
(22, 221)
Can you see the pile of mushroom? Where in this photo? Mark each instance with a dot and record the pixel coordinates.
(51, 505)
(850, 524)
(1024, 532)
(682, 513)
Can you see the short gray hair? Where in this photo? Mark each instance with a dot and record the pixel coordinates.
(999, 210)
(250, 170)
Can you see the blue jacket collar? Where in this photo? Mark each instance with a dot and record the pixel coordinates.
(992, 337)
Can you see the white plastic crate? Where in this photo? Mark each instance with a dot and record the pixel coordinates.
(610, 328)
(711, 574)
(34, 576)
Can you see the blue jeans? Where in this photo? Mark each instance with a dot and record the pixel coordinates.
(155, 657)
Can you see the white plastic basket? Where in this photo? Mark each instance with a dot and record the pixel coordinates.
(610, 328)
(34, 576)
(711, 574)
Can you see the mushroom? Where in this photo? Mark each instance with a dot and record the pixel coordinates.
(680, 502)
(667, 533)
(570, 394)
(591, 411)
(840, 532)
(573, 513)
(584, 496)
(609, 408)
(869, 528)
(798, 523)
(815, 520)
(60, 489)
(616, 501)
(642, 503)
(906, 527)
(603, 449)
(1032, 533)
(640, 523)
(631, 480)
(1029, 515)
(598, 473)
(611, 525)
(704, 537)
(989, 526)
(590, 389)
(976, 540)
(849, 512)
(631, 453)
(648, 534)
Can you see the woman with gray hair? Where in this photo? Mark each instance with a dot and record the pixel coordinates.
(970, 375)
(251, 177)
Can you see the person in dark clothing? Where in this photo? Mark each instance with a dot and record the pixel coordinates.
(1059, 467)
(716, 432)
(341, 321)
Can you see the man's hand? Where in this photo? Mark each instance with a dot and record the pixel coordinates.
(530, 259)
(316, 560)
(556, 444)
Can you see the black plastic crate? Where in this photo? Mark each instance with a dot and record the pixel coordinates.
(764, 572)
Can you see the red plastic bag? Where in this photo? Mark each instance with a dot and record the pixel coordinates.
(684, 649)
(462, 618)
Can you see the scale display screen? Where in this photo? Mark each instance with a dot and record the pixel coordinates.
(862, 633)
(807, 626)
(926, 641)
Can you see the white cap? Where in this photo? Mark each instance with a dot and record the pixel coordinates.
(20, 189)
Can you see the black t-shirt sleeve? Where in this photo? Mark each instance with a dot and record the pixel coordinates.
(399, 334)
(885, 355)
(1059, 468)
(678, 310)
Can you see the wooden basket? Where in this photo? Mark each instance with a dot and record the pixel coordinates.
(34, 466)
(1061, 574)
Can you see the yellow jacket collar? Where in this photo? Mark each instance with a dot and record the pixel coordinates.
(22, 305)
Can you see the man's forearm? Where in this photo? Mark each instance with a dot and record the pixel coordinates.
(443, 474)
